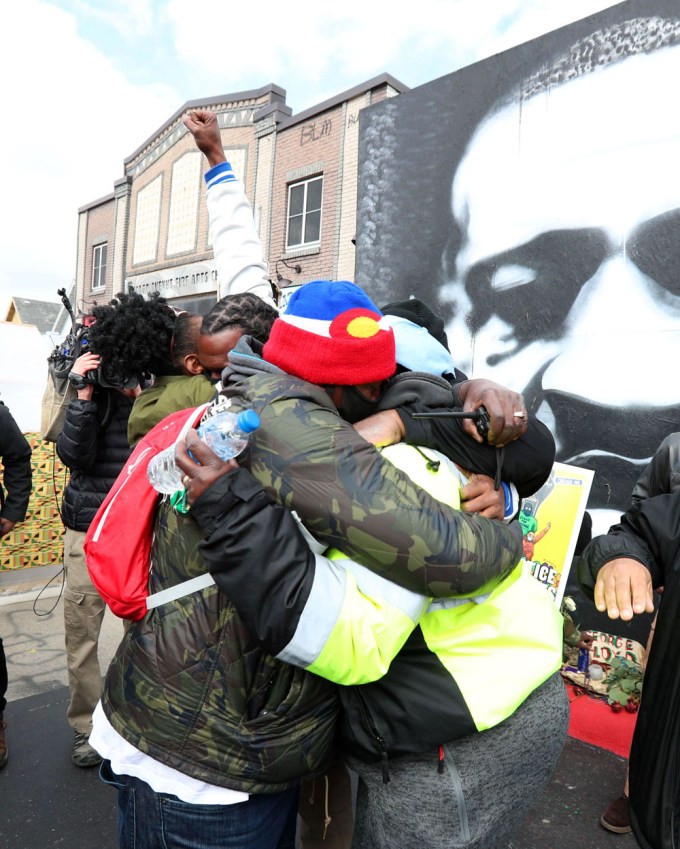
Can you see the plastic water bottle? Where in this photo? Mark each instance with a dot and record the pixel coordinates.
(226, 433)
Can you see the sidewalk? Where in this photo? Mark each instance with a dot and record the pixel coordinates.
(45, 801)
(32, 629)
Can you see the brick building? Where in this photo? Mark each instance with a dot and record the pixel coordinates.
(300, 174)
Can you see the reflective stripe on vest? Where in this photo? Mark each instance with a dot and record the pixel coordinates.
(355, 621)
(348, 634)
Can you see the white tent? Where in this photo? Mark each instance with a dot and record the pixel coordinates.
(23, 372)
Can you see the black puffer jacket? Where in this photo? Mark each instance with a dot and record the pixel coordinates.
(15, 454)
(94, 446)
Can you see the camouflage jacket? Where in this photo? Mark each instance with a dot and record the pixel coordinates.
(190, 684)
(351, 498)
(192, 688)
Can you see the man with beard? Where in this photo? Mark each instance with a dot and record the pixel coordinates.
(561, 271)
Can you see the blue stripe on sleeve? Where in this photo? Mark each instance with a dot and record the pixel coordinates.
(221, 173)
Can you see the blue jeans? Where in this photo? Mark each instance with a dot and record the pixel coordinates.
(149, 820)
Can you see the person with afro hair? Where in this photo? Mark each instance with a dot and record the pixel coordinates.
(93, 445)
(186, 366)
(147, 341)
(133, 336)
(132, 342)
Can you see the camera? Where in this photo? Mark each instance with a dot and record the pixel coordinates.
(74, 345)
(61, 360)
(108, 377)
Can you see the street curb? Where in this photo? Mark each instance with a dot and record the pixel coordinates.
(28, 584)
(30, 595)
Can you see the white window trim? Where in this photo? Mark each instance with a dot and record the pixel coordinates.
(304, 245)
(95, 249)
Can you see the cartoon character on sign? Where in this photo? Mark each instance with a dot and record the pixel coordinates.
(530, 540)
(527, 518)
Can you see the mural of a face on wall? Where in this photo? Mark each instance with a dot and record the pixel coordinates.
(567, 272)
(561, 277)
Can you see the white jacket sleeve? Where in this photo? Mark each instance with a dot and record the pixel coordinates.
(235, 240)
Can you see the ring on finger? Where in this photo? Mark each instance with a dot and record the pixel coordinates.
(186, 480)
(518, 415)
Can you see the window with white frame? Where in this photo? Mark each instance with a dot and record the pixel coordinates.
(99, 266)
(304, 213)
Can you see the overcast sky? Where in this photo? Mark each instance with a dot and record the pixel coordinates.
(85, 83)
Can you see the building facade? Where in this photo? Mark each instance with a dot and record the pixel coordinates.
(300, 174)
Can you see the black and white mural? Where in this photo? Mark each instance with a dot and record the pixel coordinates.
(533, 199)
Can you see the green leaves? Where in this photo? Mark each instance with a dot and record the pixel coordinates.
(624, 682)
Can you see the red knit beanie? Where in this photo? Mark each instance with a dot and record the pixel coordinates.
(332, 333)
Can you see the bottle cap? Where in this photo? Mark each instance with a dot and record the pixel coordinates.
(248, 421)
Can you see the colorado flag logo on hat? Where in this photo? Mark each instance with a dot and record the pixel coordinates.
(332, 333)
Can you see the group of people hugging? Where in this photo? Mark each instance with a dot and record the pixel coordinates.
(370, 665)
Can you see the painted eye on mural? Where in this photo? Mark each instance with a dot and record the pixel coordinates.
(532, 287)
(511, 276)
(654, 247)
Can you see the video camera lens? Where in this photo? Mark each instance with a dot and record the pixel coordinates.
(110, 378)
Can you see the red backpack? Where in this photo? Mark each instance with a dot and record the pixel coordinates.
(118, 541)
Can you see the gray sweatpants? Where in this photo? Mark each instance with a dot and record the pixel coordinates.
(490, 782)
